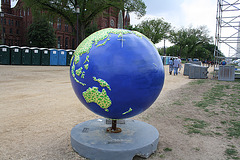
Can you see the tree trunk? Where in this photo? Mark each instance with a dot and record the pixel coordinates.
(81, 33)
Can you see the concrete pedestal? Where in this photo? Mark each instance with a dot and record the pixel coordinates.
(90, 140)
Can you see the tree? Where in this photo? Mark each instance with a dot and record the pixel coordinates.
(41, 34)
(89, 9)
(179, 38)
(190, 38)
(197, 37)
(155, 29)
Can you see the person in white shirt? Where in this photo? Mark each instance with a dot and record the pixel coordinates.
(176, 65)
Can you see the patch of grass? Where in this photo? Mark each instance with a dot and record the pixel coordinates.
(234, 130)
(223, 122)
(217, 133)
(232, 153)
(202, 104)
(167, 149)
(216, 93)
(178, 103)
(196, 149)
(219, 95)
(206, 110)
(196, 123)
(227, 87)
(198, 82)
(195, 126)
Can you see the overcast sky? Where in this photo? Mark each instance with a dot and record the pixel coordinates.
(182, 13)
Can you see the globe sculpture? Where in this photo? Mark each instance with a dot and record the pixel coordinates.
(117, 73)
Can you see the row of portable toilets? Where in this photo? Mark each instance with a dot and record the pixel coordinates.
(165, 59)
(16, 55)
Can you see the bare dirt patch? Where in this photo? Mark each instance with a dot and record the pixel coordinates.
(38, 109)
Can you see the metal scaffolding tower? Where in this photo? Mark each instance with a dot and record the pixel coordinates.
(227, 35)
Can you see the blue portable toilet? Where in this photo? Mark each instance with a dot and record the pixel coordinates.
(62, 57)
(53, 57)
(167, 60)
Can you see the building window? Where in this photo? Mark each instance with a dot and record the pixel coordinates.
(66, 27)
(112, 23)
(20, 12)
(59, 42)
(5, 21)
(9, 22)
(28, 12)
(10, 31)
(24, 13)
(12, 22)
(66, 43)
(17, 32)
(59, 25)
(3, 29)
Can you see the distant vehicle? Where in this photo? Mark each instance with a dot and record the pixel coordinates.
(195, 59)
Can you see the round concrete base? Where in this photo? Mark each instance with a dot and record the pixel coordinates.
(91, 140)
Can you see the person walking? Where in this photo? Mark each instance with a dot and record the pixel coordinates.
(180, 64)
(176, 66)
(170, 66)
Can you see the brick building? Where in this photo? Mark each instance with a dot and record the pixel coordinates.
(15, 20)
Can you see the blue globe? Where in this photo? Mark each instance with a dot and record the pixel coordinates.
(117, 73)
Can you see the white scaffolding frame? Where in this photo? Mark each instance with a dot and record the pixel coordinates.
(227, 28)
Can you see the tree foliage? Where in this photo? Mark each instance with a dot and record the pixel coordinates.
(89, 10)
(154, 29)
(136, 6)
(41, 34)
(190, 38)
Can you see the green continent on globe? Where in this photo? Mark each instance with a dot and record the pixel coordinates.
(130, 110)
(102, 83)
(96, 37)
(100, 98)
(73, 74)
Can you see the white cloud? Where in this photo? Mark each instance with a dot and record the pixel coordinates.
(201, 12)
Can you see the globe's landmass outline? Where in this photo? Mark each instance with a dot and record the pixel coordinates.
(102, 83)
(100, 98)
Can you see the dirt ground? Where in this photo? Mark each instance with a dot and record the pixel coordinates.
(38, 109)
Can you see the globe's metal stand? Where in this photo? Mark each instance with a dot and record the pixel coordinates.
(114, 128)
